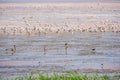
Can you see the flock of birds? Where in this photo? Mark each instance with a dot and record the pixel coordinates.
(47, 29)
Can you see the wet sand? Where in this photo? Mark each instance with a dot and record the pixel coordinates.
(33, 38)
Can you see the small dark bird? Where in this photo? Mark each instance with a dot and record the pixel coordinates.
(45, 50)
(6, 49)
(39, 63)
(101, 66)
(66, 46)
(12, 49)
(93, 49)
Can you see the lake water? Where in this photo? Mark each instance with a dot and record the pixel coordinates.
(86, 52)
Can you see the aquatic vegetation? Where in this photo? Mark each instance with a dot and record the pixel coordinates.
(67, 76)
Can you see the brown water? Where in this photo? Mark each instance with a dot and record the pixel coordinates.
(30, 55)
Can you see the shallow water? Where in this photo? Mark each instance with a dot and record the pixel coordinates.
(30, 55)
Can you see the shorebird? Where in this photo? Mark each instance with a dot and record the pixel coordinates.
(6, 51)
(102, 66)
(12, 50)
(66, 46)
(45, 50)
(93, 49)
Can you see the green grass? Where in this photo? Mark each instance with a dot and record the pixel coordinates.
(67, 76)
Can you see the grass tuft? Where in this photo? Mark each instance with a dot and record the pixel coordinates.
(67, 76)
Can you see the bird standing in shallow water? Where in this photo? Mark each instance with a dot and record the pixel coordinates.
(12, 50)
(93, 49)
(66, 46)
(45, 50)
